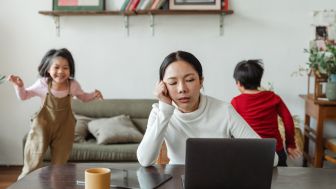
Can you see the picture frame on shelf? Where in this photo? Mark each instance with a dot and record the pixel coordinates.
(195, 4)
(78, 5)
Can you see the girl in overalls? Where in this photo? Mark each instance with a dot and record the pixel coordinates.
(53, 126)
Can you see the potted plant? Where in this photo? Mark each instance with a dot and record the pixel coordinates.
(330, 66)
(323, 64)
(329, 63)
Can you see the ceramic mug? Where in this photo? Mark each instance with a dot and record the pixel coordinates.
(97, 178)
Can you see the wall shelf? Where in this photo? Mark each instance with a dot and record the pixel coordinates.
(152, 13)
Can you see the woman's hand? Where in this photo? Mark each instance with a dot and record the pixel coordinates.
(15, 80)
(98, 95)
(161, 93)
(294, 153)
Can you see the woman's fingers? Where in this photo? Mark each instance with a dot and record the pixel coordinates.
(159, 89)
(161, 92)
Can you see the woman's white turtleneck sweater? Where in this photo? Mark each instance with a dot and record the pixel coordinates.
(212, 119)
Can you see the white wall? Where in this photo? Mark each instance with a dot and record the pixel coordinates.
(127, 67)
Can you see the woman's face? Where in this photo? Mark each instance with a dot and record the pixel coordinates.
(183, 84)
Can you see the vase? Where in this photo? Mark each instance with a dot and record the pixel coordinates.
(332, 77)
(331, 90)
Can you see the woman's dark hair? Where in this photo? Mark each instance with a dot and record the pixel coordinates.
(47, 60)
(249, 73)
(181, 55)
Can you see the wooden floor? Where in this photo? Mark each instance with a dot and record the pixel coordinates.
(8, 175)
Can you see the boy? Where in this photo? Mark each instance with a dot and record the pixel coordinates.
(260, 109)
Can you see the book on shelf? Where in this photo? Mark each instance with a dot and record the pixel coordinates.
(129, 5)
(225, 5)
(165, 5)
(140, 4)
(124, 5)
(154, 4)
(133, 5)
(157, 4)
(146, 5)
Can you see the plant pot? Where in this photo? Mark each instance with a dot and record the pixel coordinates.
(332, 77)
(331, 90)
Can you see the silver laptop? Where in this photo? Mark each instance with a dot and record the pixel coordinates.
(229, 163)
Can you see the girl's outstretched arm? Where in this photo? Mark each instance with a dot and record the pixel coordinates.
(77, 91)
(21, 92)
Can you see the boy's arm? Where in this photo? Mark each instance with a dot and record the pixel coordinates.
(288, 124)
(234, 103)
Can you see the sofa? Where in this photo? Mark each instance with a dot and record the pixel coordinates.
(88, 149)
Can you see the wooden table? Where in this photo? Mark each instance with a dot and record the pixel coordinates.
(64, 177)
(321, 111)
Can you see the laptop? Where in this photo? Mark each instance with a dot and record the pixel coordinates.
(229, 163)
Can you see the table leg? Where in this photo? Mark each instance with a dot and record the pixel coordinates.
(306, 141)
(318, 160)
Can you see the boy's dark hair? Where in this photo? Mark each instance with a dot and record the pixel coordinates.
(181, 55)
(47, 60)
(249, 73)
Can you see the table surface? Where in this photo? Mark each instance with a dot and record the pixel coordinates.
(61, 177)
(319, 102)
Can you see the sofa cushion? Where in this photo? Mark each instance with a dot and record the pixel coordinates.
(141, 124)
(81, 128)
(118, 129)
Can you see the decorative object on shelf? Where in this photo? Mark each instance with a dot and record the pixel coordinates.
(322, 66)
(321, 33)
(331, 90)
(325, 23)
(79, 5)
(195, 4)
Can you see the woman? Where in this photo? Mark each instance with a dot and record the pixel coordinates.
(183, 112)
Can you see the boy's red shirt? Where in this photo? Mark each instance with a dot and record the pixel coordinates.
(261, 112)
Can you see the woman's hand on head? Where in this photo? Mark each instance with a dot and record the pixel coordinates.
(161, 93)
(98, 95)
(15, 80)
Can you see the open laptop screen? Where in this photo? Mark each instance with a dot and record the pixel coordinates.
(229, 163)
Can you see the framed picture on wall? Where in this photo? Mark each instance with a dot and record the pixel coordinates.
(195, 4)
(79, 5)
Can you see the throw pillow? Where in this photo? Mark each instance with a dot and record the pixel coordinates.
(119, 129)
(81, 128)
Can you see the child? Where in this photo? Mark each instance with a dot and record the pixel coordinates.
(53, 126)
(260, 109)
